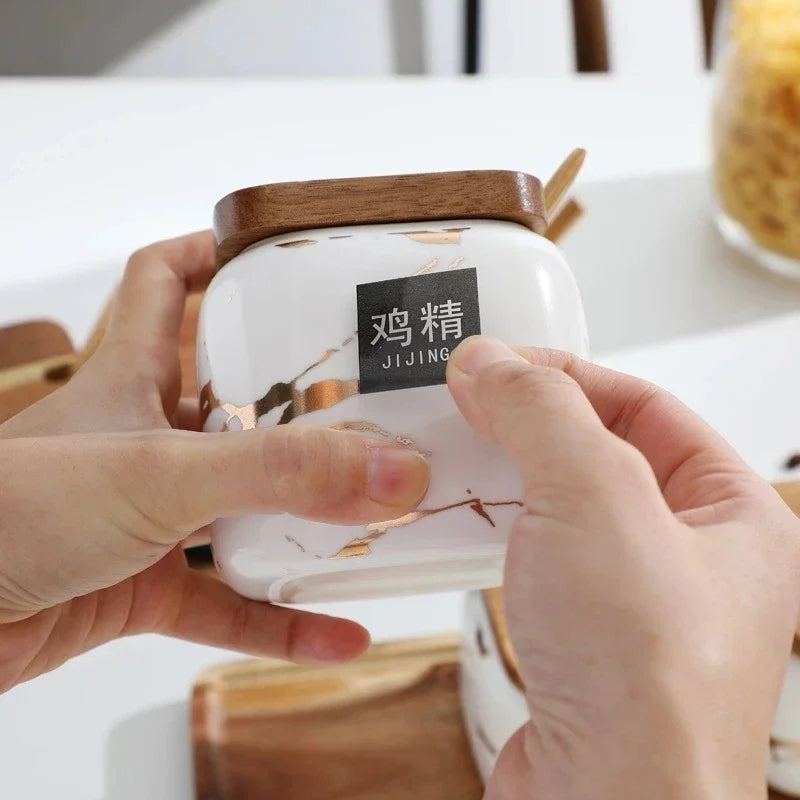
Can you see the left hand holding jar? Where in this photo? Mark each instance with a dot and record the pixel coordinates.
(103, 480)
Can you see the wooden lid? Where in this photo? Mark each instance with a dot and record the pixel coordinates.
(247, 216)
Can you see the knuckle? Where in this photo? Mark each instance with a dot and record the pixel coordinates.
(139, 261)
(562, 361)
(149, 262)
(645, 395)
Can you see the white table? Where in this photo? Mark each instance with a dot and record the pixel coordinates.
(91, 170)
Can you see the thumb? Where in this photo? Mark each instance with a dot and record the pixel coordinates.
(183, 481)
(538, 414)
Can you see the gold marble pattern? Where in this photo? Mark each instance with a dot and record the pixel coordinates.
(444, 236)
(360, 545)
(363, 426)
(323, 394)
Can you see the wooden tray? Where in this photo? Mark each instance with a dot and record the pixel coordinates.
(386, 727)
(37, 357)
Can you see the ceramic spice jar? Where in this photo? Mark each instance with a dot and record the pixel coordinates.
(493, 704)
(338, 303)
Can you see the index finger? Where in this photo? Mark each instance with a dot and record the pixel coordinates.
(151, 299)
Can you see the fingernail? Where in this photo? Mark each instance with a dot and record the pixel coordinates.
(397, 476)
(480, 352)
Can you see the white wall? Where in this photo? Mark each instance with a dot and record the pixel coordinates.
(269, 37)
(443, 35)
(304, 37)
(655, 36)
(527, 37)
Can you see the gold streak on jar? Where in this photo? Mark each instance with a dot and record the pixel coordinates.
(245, 414)
(360, 545)
(319, 396)
(361, 426)
(316, 397)
(432, 264)
(445, 236)
(297, 243)
(455, 263)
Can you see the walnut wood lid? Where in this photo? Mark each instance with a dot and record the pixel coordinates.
(247, 216)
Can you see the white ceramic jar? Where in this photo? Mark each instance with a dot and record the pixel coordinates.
(492, 702)
(347, 320)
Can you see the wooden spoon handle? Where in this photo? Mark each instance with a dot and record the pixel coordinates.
(562, 179)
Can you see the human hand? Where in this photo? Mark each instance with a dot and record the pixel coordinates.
(99, 491)
(651, 586)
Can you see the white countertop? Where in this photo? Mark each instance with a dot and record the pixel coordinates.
(90, 170)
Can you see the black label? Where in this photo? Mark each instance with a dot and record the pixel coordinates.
(407, 327)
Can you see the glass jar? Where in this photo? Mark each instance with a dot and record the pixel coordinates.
(338, 303)
(757, 133)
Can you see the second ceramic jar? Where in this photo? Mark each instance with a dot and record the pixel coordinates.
(338, 303)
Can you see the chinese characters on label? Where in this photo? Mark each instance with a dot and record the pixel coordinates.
(407, 328)
(443, 319)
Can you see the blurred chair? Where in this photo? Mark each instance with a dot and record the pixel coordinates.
(439, 37)
(541, 37)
